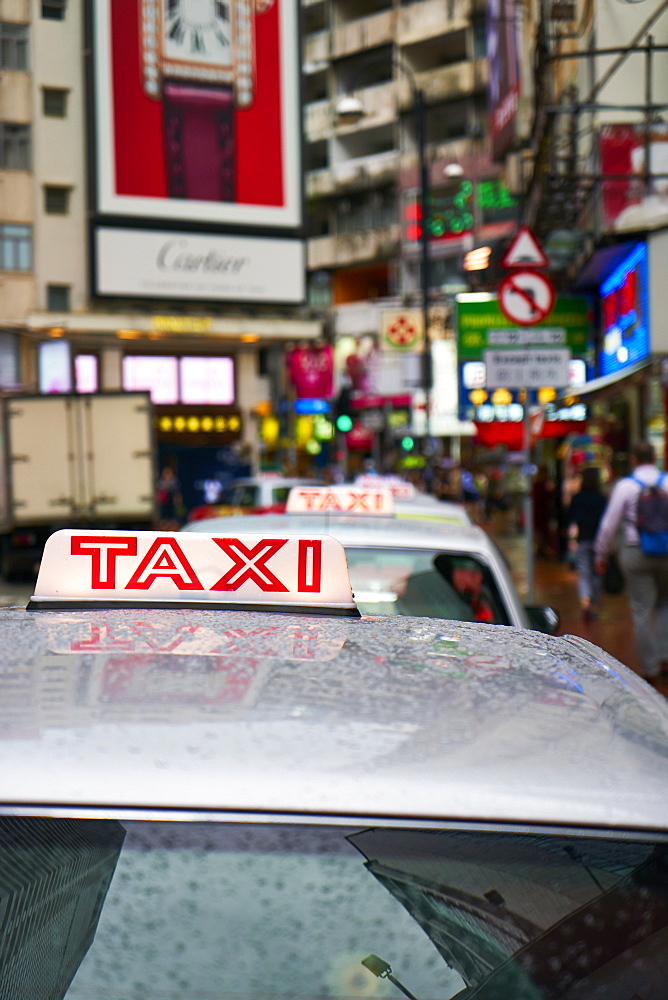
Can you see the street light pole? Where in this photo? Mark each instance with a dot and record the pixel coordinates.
(420, 129)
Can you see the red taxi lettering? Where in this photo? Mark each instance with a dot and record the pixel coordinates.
(103, 550)
(360, 501)
(159, 640)
(250, 564)
(100, 637)
(310, 498)
(164, 559)
(330, 501)
(309, 566)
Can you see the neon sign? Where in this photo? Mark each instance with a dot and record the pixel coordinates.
(625, 313)
(451, 209)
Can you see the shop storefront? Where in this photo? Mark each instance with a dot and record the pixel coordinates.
(626, 397)
(209, 377)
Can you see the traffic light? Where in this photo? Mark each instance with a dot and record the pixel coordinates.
(344, 411)
(407, 443)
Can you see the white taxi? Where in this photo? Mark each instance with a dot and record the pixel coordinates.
(409, 503)
(402, 565)
(199, 801)
(267, 492)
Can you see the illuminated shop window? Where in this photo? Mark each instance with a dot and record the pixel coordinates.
(207, 380)
(192, 381)
(55, 367)
(157, 375)
(85, 373)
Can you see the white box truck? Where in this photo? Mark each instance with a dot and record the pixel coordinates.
(72, 460)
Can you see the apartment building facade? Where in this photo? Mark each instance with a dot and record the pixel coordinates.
(363, 182)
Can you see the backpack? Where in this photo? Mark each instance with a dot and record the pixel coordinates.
(652, 517)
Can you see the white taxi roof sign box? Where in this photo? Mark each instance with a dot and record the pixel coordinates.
(340, 500)
(399, 488)
(249, 572)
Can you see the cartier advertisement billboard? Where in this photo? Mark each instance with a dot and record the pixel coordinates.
(201, 266)
(197, 113)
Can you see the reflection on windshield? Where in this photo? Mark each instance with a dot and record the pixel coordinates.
(424, 584)
(54, 879)
(243, 912)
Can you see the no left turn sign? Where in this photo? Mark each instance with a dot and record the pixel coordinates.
(526, 298)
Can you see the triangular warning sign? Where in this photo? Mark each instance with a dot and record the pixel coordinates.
(524, 251)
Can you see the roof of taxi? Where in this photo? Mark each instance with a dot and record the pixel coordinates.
(204, 710)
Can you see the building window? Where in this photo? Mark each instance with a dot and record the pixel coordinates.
(15, 247)
(9, 360)
(54, 10)
(58, 298)
(319, 289)
(13, 45)
(54, 102)
(14, 146)
(56, 199)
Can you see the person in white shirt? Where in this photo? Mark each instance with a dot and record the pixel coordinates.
(646, 577)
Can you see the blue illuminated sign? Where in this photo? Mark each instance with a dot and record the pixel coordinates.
(305, 407)
(625, 312)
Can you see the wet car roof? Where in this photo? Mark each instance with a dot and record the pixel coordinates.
(460, 535)
(291, 714)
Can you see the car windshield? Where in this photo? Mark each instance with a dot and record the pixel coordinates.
(424, 583)
(143, 910)
(241, 496)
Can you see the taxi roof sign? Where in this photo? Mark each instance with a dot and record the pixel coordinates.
(340, 500)
(400, 489)
(111, 569)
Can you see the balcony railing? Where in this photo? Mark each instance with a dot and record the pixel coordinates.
(356, 174)
(353, 248)
(447, 82)
(431, 18)
(363, 33)
(318, 120)
(316, 48)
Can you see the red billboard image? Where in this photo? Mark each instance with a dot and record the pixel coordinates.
(197, 110)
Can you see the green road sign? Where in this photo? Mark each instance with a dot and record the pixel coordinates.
(482, 326)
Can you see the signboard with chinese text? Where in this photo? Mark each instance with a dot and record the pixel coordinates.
(478, 317)
(528, 369)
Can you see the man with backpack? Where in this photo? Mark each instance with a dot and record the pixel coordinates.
(639, 503)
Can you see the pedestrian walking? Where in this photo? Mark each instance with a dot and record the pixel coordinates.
(646, 576)
(583, 518)
(544, 513)
(169, 500)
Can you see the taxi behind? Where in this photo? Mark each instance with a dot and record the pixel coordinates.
(404, 562)
(218, 780)
(409, 503)
(266, 493)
